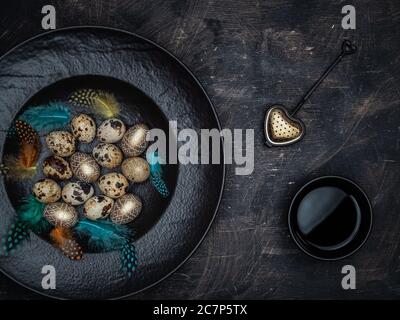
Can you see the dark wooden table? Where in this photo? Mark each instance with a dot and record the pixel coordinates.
(249, 54)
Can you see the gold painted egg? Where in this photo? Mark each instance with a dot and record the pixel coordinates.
(56, 168)
(46, 191)
(84, 167)
(107, 155)
(60, 214)
(134, 142)
(113, 185)
(83, 128)
(98, 207)
(61, 143)
(111, 131)
(136, 169)
(126, 209)
(77, 193)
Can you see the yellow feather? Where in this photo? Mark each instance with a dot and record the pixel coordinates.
(106, 104)
(102, 103)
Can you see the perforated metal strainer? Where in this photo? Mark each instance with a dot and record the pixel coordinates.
(281, 128)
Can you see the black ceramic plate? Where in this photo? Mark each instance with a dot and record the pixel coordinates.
(152, 87)
(330, 218)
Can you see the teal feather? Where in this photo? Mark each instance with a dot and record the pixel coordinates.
(17, 233)
(157, 175)
(128, 258)
(106, 236)
(30, 212)
(160, 185)
(154, 162)
(29, 217)
(49, 117)
(103, 235)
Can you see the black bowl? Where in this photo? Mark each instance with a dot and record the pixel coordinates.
(330, 218)
(136, 107)
(153, 87)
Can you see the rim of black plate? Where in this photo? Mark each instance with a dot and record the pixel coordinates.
(186, 68)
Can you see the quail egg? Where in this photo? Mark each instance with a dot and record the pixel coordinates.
(113, 185)
(61, 143)
(76, 193)
(46, 191)
(98, 207)
(107, 155)
(126, 209)
(134, 141)
(136, 169)
(84, 167)
(56, 168)
(111, 131)
(61, 214)
(83, 128)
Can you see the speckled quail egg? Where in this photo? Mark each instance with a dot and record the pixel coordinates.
(61, 143)
(83, 128)
(84, 167)
(76, 193)
(61, 214)
(56, 168)
(46, 191)
(134, 141)
(111, 131)
(107, 155)
(136, 169)
(126, 209)
(113, 185)
(98, 207)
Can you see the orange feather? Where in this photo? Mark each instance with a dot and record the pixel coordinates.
(29, 145)
(29, 153)
(23, 165)
(64, 240)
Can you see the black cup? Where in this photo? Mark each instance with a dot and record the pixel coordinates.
(330, 218)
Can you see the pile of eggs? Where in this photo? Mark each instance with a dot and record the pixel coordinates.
(78, 172)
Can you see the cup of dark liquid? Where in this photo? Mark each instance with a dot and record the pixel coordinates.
(330, 218)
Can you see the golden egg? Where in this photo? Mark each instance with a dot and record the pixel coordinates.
(84, 167)
(136, 169)
(60, 214)
(46, 191)
(126, 209)
(61, 143)
(134, 142)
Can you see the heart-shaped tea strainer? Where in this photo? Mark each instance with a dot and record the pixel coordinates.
(281, 128)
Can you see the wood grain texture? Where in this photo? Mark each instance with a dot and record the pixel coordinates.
(249, 54)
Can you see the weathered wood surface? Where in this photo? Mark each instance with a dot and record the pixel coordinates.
(249, 54)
